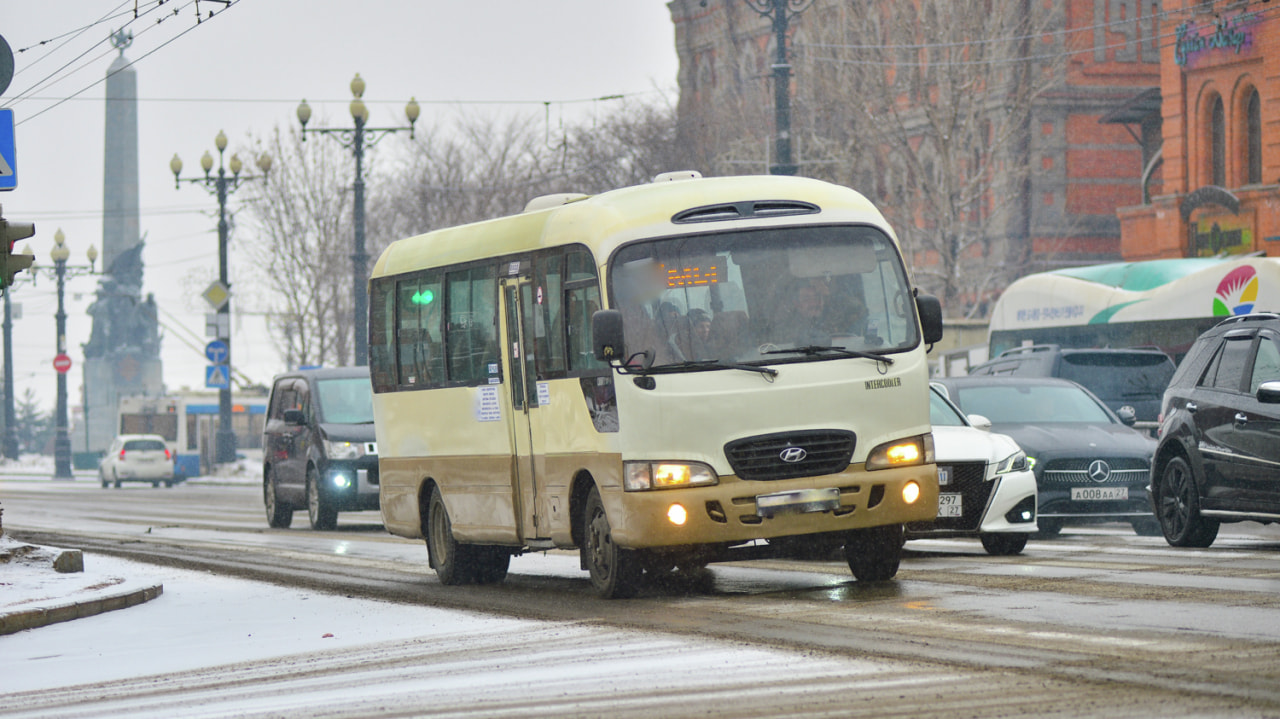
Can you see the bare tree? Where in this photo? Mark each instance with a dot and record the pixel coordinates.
(300, 259)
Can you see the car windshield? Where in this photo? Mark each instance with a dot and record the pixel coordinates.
(346, 400)
(1031, 404)
(781, 295)
(1119, 377)
(941, 413)
(141, 444)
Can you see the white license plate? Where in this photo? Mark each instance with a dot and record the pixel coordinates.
(798, 501)
(1098, 494)
(944, 476)
(949, 505)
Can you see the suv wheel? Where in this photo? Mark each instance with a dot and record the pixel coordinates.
(319, 509)
(279, 515)
(1178, 507)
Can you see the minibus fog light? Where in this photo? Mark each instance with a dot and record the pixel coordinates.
(639, 476)
(910, 492)
(677, 515)
(341, 481)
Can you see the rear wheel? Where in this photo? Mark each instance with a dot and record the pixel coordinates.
(457, 563)
(115, 477)
(615, 572)
(319, 509)
(1048, 527)
(874, 553)
(1178, 508)
(279, 515)
(155, 485)
(1003, 545)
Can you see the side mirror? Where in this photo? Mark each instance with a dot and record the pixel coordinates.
(930, 310)
(1269, 392)
(606, 336)
(979, 422)
(294, 416)
(1127, 415)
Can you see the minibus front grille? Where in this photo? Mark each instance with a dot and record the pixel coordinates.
(787, 455)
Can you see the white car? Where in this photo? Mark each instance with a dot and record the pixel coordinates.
(986, 487)
(137, 458)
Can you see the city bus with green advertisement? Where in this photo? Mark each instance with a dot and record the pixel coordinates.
(688, 371)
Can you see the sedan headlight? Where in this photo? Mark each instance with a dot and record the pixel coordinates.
(343, 450)
(641, 476)
(1016, 462)
(902, 453)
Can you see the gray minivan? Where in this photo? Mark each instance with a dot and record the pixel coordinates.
(318, 448)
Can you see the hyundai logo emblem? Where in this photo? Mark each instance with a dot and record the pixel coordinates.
(1099, 471)
(793, 454)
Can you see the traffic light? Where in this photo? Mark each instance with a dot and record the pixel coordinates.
(12, 263)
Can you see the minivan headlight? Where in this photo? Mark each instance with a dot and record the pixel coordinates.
(641, 476)
(343, 450)
(902, 453)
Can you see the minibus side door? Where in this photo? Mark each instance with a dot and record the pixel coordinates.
(521, 370)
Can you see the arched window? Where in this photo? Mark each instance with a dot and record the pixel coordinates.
(1218, 141)
(1253, 134)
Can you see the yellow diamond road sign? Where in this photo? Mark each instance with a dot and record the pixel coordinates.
(217, 295)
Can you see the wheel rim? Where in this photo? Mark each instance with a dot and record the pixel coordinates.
(439, 534)
(600, 543)
(1175, 505)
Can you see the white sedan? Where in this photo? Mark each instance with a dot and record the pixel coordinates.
(986, 488)
(137, 458)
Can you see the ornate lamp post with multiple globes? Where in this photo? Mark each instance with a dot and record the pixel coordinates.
(355, 139)
(220, 186)
(61, 438)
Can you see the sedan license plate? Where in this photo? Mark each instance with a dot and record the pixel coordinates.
(949, 505)
(944, 476)
(1098, 494)
(798, 501)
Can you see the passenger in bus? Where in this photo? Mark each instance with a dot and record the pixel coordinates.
(674, 332)
(700, 347)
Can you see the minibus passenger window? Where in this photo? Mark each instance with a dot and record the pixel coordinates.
(473, 322)
(548, 314)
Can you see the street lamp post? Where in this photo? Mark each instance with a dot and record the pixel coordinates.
(781, 12)
(61, 438)
(220, 186)
(355, 140)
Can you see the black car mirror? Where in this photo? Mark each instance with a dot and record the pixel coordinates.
(294, 416)
(1127, 415)
(606, 335)
(930, 310)
(1269, 392)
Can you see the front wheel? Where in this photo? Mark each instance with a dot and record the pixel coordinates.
(874, 553)
(1003, 545)
(279, 515)
(319, 509)
(1178, 505)
(615, 572)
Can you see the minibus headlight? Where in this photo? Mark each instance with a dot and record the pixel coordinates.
(902, 453)
(640, 476)
(343, 450)
(1016, 462)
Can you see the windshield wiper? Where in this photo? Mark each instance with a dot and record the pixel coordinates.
(712, 364)
(819, 349)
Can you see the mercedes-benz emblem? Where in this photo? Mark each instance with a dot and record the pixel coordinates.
(1099, 471)
(793, 454)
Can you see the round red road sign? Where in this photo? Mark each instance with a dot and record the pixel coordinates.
(62, 363)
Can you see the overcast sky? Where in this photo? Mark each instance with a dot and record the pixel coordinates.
(244, 71)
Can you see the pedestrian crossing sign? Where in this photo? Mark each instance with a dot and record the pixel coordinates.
(217, 376)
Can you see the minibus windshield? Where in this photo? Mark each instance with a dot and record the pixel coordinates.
(763, 296)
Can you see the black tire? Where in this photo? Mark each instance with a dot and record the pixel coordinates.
(155, 485)
(453, 561)
(490, 564)
(616, 573)
(874, 553)
(1048, 527)
(1147, 527)
(105, 483)
(320, 510)
(168, 484)
(279, 515)
(1004, 544)
(1178, 507)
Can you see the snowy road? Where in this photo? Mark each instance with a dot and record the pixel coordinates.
(1099, 623)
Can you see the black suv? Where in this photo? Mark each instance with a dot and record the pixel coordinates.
(1133, 378)
(318, 448)
(1219, 454)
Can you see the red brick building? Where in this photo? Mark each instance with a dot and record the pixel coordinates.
(1218, 190)
(1103, 53)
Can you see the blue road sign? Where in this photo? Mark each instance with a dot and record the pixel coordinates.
(217, 376)
(217, 351)
(8, 152)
